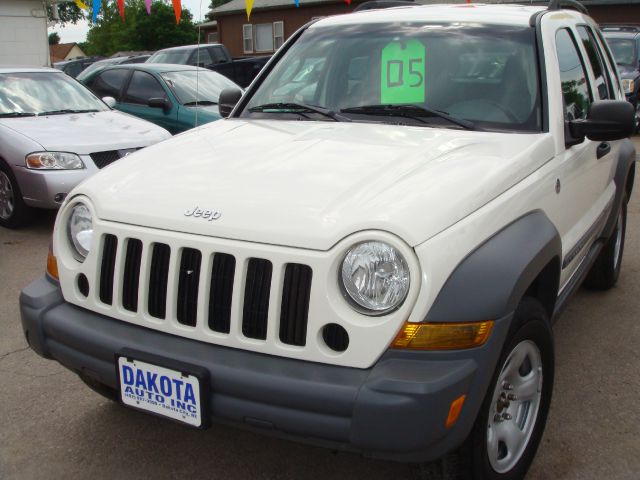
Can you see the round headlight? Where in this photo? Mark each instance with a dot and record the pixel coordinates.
(80, 229)
(375, 276)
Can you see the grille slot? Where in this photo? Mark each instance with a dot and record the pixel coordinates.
(256, 298)
(158, 277)
(188, 281)
(221, 292)
(107, 268)
(295, 304)
(131, 278)
(102, 159)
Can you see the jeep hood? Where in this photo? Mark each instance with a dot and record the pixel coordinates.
(85, 133)
(309, 184)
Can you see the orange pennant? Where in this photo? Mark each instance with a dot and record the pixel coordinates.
(177, 8)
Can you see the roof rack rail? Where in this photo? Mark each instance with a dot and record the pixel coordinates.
(377, 4)
(567, 4)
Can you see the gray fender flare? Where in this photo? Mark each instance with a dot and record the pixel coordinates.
(491, 280)
(625, 162)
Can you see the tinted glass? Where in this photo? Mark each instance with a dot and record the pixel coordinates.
(624, 51)
(44, 92)
(597, 66)
(109, 83)
(208, 84)
(575, 87)
(486, 74)
(202, 58)
(142, 88)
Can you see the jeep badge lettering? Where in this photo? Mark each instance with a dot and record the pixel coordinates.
(199, 212)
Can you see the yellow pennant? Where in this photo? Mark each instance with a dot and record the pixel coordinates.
(81, 5)
(248, 5)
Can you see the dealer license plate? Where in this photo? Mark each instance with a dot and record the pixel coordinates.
(160, 390)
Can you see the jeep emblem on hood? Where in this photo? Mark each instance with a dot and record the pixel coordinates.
(199, 212)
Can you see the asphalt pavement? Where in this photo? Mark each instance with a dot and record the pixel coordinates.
(52, 426)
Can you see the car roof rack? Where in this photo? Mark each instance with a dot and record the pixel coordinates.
(378, 4)
(567, 4)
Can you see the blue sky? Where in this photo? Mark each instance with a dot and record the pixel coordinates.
(78, 33)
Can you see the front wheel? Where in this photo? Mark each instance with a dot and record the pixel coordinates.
(511, 421)
(14, 213)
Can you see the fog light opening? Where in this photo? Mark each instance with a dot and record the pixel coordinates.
(83, 284)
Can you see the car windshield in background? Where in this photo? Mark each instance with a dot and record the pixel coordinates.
(624, 51)
(171, 56)
(208, 84)
(39, 93)
(486, 75)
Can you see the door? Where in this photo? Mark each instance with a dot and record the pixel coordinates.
(142, 88)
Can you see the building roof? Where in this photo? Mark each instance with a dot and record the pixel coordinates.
(61, 50)
(235, 6)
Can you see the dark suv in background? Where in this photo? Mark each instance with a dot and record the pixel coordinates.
(624, 42)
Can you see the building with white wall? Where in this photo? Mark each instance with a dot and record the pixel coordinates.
(23, 33)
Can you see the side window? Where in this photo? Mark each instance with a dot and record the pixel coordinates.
(142, 88)
(109, 83)
(603, 83)
(217, 54)
(575, 87)
(201, 59)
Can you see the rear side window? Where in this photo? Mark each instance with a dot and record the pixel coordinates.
(575, 86)
(603, 82)
(109, 83)
(142, 88)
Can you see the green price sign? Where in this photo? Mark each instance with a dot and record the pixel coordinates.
(402, 72)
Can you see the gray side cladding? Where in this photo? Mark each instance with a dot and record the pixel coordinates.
(626, 160)
(489, 282)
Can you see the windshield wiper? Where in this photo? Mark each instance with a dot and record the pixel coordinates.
(66, 110)
(17, 114)
(204, 103)
(292, 107)
(409, 111)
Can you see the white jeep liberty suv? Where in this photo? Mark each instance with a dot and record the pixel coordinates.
(370, 251)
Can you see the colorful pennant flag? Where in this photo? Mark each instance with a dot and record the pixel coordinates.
(81, 5)
(148, 5)
(177, 9)
(297, 3)
(348, 2)
(96, 10)
(248, 5)
(121, 8)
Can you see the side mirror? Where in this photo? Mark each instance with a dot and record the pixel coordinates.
(606, 120)
(110, 101)
(227, 101)
(162, 103)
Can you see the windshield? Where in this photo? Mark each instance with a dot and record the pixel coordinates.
(208, 84)
(623, 50)
(484, 74)
(180, 56)
(36, 93)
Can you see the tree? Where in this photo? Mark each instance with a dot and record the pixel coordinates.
(67, 13)
(54, 38)
(213, 4)
(139, 31)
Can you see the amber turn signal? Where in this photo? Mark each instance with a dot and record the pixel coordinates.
(454, 411)
(442, 336)
(52, 264)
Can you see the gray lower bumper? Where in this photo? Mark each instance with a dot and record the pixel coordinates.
(395, 409)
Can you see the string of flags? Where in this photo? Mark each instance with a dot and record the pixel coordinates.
(177, 7)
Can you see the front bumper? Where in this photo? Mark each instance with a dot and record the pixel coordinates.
(395, 410)
(39, 188)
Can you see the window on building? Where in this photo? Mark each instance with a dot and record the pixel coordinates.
(278, 34)
(212, 37)
(247, 38)
(264, 37)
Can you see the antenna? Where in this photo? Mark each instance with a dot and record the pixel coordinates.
(198, 64)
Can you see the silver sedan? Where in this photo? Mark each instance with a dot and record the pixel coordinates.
(54, 133)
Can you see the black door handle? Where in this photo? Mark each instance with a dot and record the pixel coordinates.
(603, 149)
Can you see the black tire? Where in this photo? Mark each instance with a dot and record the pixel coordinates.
(605, 270)
(18, 213)
(471, 461)
(100, 388)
